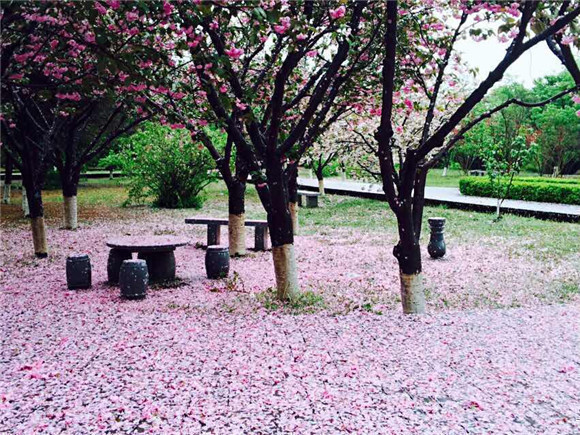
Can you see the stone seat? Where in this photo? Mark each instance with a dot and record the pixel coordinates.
(214, 230)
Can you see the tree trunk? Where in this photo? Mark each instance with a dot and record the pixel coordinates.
(408, 254)
(6, 193)
(286, 272)
(25, 207)
(293, 196)
(34, 201)
(444, 172)
(293, 207)
(412, 293)
(69, 178)
(39, 237)
(237, 218)
(275, 199)
(70, 212)
(7, 180)
(321, 186)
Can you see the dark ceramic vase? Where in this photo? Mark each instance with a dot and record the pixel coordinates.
(436, 246)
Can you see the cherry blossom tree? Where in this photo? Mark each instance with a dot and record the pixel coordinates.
(55, 89)
(437, 33)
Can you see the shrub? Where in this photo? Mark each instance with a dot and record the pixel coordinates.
(548, 180)
(165, 164)
(564, 193)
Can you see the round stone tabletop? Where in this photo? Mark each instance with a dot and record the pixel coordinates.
(147, 243)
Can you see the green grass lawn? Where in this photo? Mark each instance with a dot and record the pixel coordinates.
(543, 238)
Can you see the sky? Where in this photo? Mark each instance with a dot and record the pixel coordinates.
(535, 63)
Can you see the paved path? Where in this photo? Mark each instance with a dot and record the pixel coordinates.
(452, 197)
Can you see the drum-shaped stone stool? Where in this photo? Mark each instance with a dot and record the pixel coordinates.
(134, 279)
(217, 261)
(78, 271)
(436, 246)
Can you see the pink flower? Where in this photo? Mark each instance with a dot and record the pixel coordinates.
(100, 8)
(16, 77)
(578, 114)
(241, 105)
(115, 4)
(90, 37)
(567, 40)
(338, 12)
(223, 89)
(73, 96)
(214, 25)
(167, 8)
(53, 44)
(177, 126)
(131, 16)
(408, 104)
(301, 37)
(283, 26)
(312, 53)
(576, 99)
(234, 52)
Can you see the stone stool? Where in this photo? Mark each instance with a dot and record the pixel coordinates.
(116, 258)
(134, 279)
(217, 261)
(436, 246)
(78, 271)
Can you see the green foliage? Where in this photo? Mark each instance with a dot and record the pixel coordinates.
(165, 164)
(535, 190)
(305, 302)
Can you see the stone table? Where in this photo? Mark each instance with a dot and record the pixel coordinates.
(157, 251)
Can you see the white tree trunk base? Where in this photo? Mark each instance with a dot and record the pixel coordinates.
(39, 237)
(412, 293)
(70, 212)
(321, 187)
(237, 234)
(6, 194)
(25, 207)
(286, 272)
(293, 207)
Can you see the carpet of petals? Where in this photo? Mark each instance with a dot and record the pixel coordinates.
(207, 356)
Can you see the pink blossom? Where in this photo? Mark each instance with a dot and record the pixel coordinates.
(100, 8)
(167, 8)
(301, 36)
(73, 96)
(16, 77)
(283, 26)
(114, 4)
(567, 40)
(214, 25)
(131, 16)
(90, 37)
(408, 104)
(234, 52)
(312, 53)
(338, 13)
(223, 89)
(241, 105)
(53, 44)
(177, 126)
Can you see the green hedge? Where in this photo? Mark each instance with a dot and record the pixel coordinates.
(563, 193)
(549, 180)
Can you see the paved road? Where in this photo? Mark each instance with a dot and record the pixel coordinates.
(451, 196)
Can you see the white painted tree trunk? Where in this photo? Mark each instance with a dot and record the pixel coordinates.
(321, 186)
(70, 212)
(444, 172)
(293, 207)
(498, 209)
(343, 175)
(25, 207)
(6, 193)
(412, 293)
(39, 236)
(237, 234)
(286, 271)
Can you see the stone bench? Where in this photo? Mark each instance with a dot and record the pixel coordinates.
(214, 230)
(477, 173)
(311, 198)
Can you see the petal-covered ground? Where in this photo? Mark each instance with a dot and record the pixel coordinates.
(221, 357)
